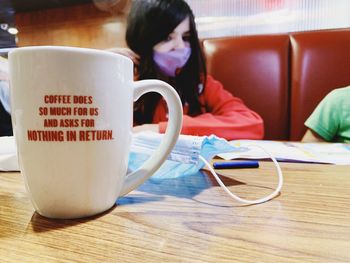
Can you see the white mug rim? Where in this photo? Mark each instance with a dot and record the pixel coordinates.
(87, 51)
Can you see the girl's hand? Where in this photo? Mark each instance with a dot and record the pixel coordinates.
(126, 52)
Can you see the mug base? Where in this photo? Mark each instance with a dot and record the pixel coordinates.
(85, 215)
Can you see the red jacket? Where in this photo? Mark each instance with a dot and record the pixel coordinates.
(224, 115)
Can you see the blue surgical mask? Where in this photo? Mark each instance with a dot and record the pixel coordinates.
(170, 62)
(190, 154)
(184, 158)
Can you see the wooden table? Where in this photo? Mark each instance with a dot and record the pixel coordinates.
(192, 219)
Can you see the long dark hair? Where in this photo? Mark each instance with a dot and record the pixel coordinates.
(150, 22)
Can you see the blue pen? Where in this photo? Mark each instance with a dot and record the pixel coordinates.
(238, 164)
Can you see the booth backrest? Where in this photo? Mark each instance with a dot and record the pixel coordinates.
(255, 69)
(320, 62)
(282, 77)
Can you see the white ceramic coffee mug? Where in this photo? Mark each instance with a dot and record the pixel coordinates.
(72, 114)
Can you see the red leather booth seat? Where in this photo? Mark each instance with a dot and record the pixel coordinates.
(320, 63)
(255, 69)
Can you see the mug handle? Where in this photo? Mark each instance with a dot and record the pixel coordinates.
(136, 178)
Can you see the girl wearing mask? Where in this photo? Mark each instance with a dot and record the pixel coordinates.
(164, 45)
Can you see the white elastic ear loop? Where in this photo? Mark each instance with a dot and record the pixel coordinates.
(257, 201)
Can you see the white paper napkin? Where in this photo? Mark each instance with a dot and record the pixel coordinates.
(8, 154)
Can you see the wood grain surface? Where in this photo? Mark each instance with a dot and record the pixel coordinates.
(191, 219)
(79, 26)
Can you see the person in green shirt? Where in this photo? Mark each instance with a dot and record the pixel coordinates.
(330, 121)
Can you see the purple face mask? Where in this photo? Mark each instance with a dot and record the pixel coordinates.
(169, 62)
